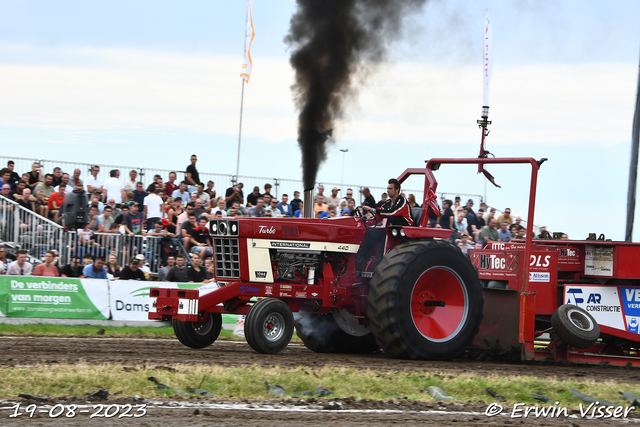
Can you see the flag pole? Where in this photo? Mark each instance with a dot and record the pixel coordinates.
(246, 74)
(633, 168)
(484, 122)
(240, 130)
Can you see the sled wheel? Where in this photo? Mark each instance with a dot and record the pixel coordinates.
(425, 301)
(268, 327)
(199, 334)
(322, 334)
(574, 326)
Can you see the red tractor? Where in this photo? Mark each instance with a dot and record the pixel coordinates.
(410, 292)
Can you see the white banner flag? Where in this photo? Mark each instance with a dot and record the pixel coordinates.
(248, 38)
(487, 59)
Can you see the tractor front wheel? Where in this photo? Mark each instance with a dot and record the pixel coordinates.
(268, 327)
(199, 334)
(425, 301)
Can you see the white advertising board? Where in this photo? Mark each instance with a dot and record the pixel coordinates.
(129, 299)
(617, 307)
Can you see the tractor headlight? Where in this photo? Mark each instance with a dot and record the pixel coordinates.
(223, 228)
(402, 232)
(394, 232)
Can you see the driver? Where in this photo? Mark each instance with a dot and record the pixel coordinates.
(395, 208)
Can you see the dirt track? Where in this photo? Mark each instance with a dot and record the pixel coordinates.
(26, 351)
(32, 350)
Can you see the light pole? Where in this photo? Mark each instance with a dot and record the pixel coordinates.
(344, 151)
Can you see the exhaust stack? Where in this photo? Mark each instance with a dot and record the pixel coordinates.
(308, 203)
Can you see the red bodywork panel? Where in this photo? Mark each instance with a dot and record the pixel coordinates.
(506, 266)
(343, 230)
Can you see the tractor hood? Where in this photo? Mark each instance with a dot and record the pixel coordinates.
(344, 230)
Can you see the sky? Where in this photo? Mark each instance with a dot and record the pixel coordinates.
(148, 83)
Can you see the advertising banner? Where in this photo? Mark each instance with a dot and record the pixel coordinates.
(230, 320)
(129, 299)
(54, 297)
(611, 306)
(631, 307)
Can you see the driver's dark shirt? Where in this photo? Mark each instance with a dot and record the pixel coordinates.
(398, 213)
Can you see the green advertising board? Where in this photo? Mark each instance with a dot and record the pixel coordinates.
(54, 297)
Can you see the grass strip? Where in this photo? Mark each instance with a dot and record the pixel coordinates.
(248, 382)
(43, 330)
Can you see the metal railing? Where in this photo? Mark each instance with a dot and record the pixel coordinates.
(477, 199)
(79, 243)
(22, 229)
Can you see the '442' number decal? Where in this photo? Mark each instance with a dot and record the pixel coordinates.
(343, 248)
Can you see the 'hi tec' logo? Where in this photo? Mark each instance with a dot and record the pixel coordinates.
(567, 252)
(491, 262)
(265, 230)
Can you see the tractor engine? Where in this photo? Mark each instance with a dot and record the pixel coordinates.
(283, 250)
(295, 266)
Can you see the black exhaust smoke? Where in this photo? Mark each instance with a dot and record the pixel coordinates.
(335, 44)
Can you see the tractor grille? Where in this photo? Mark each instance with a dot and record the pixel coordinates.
(226, 253)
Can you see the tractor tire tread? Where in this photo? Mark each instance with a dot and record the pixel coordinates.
(187, 334)
(384, 306)
(333, 339)
(253, 325)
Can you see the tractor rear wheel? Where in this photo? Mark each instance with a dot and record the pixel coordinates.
(198, 334)
(575, 326)
(425, 301)
(268, 327)
(321, 333)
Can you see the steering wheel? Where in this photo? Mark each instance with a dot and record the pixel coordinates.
(370, 222)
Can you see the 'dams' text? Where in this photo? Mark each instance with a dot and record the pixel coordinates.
(122, 306)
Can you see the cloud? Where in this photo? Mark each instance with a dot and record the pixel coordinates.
(84, 90)
(135, 90)
(542, 104)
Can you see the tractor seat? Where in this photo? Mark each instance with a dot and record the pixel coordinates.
(416, 214)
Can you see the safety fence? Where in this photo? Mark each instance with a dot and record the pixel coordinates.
(22, 229)
(78, 243)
